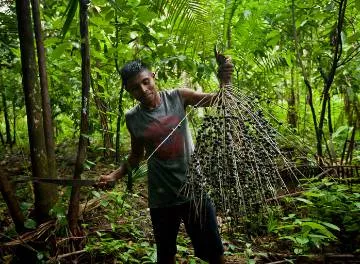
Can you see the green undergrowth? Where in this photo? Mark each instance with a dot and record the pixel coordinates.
(325, 218)
(126, 233)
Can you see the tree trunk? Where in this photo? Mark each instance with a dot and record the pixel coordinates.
(349, 154)
(44, 193)
(331, 129)
(308, 86)
(12, 203)
(331, 147)
(14, 121)
(118, 120)
(2, 139)
(292, 113)
(102, 110)
(84, 123)
(48, 129)
(6, 117)
(118, 123)
(328, 79)
(1, 135)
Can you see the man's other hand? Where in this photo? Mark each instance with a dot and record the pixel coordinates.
(108, 178)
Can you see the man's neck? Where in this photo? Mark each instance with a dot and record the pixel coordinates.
(154, 104)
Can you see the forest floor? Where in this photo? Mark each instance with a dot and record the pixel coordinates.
(15, 165)
(116, 225)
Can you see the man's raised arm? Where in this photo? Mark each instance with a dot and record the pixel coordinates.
(193, 98)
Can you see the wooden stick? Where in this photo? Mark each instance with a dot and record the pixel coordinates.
(66, 255)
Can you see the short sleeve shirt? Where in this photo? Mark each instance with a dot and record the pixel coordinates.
(165, 134)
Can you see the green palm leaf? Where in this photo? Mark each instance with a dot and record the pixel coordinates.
(69, 14)
(183, 15)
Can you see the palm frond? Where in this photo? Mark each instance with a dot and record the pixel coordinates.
(183, 15)
(69, 14)
(270, 61)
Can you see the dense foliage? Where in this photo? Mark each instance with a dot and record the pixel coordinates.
(297, 60)
(258, 36)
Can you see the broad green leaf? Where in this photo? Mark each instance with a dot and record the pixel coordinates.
(332, 226)
(86, 166)
(30, 223)
(90, 162)
(304, 200)
(273, 38)
(314, 194)
(298, 250)
(60, 50)
(317, 236)
(96, 194)
(302, 240)
(289, 238)
(25, 206)
(40, 255)
(133, 3)
(320, 228)
(104, 203)
(303, 23)
(291, 227)
(110, 15)
(182, 57)
(288, 59)
(357, 5)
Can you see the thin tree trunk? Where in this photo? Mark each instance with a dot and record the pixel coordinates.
(118, 123)
(44, 193)
(84, 123)
(12, 203)
(331, 148)
(308, 86)
(328, 80)
(228, 33)
(1, 135)
(120, 110)
(331, 129)
(292, 114)
(237, 70)
(2, 139)
(349, 153)
(102, 110)
(14, 122)
(344, 147)
(48, 129)
(7, 121)
(228, 36)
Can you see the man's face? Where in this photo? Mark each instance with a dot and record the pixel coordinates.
(142, 87)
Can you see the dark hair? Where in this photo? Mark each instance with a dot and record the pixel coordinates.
(131, 69)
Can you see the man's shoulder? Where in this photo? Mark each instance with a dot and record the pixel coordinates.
(171, 93)
(132, 111)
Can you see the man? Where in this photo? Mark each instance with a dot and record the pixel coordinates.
(157, 115)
